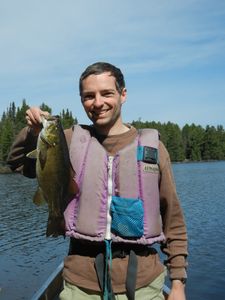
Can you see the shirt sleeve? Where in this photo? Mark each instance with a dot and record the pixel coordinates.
(175, 246)
(17, 160)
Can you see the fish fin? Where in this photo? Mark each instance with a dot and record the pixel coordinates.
(43, 157)
(32, 154)
(55, 226)
(38, 198)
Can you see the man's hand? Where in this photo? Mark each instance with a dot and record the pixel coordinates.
(33, 117)
(177, 291)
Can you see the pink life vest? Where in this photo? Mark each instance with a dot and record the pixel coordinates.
(127, 190)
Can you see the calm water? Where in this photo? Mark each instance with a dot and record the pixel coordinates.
(201, 187)
(27, 257)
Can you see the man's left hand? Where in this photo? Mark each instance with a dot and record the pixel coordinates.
(177, 291)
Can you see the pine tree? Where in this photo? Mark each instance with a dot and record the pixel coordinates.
(193, 141)
(45, 107)
(67, 119)
(20, 120)
(174, 143)
(212, 144)
(6, 138)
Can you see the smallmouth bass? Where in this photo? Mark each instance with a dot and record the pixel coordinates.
(54, 172)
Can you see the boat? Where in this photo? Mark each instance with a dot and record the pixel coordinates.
(52, 287)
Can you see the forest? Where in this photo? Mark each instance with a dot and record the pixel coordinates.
(189, 143)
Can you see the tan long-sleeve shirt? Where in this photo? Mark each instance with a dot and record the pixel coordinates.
(78, 269)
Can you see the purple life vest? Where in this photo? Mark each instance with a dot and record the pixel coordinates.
(132, 185)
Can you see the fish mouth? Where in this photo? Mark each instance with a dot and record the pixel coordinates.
(49, 118)
(52, 118)
(47, 123)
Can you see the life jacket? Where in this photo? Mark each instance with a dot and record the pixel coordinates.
(118, 196)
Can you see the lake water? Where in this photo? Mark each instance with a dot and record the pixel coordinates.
(27, 257)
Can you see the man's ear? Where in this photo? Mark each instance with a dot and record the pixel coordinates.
(123, 95)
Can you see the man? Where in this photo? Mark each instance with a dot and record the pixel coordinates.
(126, 183)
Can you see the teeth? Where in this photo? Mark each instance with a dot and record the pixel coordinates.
(100, 113)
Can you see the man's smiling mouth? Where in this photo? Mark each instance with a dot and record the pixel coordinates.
(100, 113)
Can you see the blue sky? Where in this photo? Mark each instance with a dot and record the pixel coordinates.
(172, 54)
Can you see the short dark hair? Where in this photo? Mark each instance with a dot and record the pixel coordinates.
(102, 67)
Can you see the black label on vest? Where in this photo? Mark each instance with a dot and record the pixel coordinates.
(150, 155)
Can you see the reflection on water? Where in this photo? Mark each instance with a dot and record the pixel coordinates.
(27, 257)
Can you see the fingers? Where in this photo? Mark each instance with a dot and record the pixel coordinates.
(33, 116)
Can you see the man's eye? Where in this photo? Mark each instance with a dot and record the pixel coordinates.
(108, 94)
(87, 97)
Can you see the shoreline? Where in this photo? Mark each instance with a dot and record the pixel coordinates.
(5, 169)
(187, 161)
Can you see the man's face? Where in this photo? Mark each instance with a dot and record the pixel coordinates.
(101, 100)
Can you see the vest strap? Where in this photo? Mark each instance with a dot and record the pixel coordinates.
(103, 265)
(99, 267)
(131, 275)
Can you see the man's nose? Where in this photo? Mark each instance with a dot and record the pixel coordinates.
(98, 101)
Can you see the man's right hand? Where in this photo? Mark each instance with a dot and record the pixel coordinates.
(33, 117)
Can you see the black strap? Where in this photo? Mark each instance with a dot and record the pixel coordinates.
(130, 280)
(131, 275)
(99, 267)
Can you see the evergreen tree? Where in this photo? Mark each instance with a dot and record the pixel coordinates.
(174, 143)
(212, 144)
(67, 119)
(221, 137)
(45, 107)
(193, 141)
(20, 120)
(138, 124)
(6, 138)
(11, 111)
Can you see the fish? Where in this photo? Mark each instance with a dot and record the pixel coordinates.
(54, 172)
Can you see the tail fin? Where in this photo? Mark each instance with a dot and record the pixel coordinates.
(55, 226)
